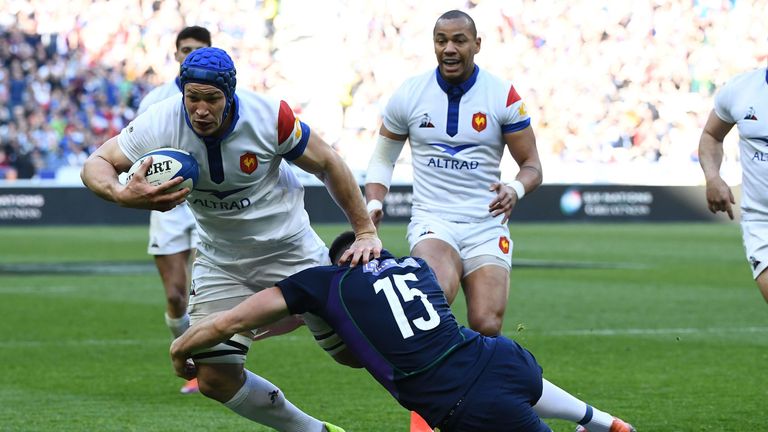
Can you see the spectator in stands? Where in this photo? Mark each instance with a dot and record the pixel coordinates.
(670, 55)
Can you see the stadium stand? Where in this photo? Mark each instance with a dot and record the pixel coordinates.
(608, 84)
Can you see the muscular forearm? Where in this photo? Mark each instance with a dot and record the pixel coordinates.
(530, 175)
(375, 191)
(100, 176)
(208, 332)
(343, 188)
(710, 156)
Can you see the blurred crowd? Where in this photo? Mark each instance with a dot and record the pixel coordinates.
(608, 84)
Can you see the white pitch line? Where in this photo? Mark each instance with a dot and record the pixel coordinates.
(658, 331)
(110, 342)
(81, 342)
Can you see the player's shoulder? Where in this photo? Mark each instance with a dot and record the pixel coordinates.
(748, 78)
(167, 105)
(169, 88)
(418, 81)
(742, 85)
(160, 93)
(493, 82)
(403, 96)
(257, 104)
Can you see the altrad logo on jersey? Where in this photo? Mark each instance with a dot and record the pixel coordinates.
(221, 204)
(453, 164)
(760, 156)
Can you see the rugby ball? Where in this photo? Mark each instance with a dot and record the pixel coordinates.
(168, 163)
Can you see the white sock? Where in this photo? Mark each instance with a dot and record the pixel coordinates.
(558, 403)
(177, 326)
(261, 401)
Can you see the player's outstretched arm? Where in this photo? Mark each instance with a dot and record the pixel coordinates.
(719, 194)
(260, 309)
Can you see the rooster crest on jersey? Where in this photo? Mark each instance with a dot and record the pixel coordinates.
(211, 66)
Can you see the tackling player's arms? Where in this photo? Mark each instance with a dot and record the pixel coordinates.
(259, 310)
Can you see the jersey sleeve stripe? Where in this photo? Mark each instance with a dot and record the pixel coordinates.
(285, 122)
(298, 150)
(512, 96)
(514, 127)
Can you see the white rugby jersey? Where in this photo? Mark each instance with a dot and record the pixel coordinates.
(246, 193)
(456, 143)
(743, 100)
(171, 88)
(181, 214)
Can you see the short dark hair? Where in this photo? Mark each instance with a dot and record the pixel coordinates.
(340, 244)
(194, 32)
(457, 14)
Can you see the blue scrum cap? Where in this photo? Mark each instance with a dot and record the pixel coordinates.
(211, 66)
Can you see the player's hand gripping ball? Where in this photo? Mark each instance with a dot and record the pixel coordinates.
(169, 163)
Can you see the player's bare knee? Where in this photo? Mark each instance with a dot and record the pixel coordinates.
(177, 301)
(488, 325)
(221, 389)
(210, 390)
(762, 283)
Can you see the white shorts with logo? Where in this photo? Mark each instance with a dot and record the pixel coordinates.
(755, 237)
(223, 278)
(470, 239)
(173, 231)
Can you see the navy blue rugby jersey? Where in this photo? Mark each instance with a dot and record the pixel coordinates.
(394, 317)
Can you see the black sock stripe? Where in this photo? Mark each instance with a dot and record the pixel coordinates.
(329, 349)
(237, 345)
(587, 416)
(219, 353)
(324, 335)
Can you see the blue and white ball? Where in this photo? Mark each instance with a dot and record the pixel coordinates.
(169, 163)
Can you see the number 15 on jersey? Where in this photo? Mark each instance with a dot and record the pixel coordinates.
(404, 323)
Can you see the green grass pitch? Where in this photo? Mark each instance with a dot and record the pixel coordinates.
(659, 324)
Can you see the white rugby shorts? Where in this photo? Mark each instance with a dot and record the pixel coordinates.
(755, 237)
(173, 231)
(223, 278)
(470, 239)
